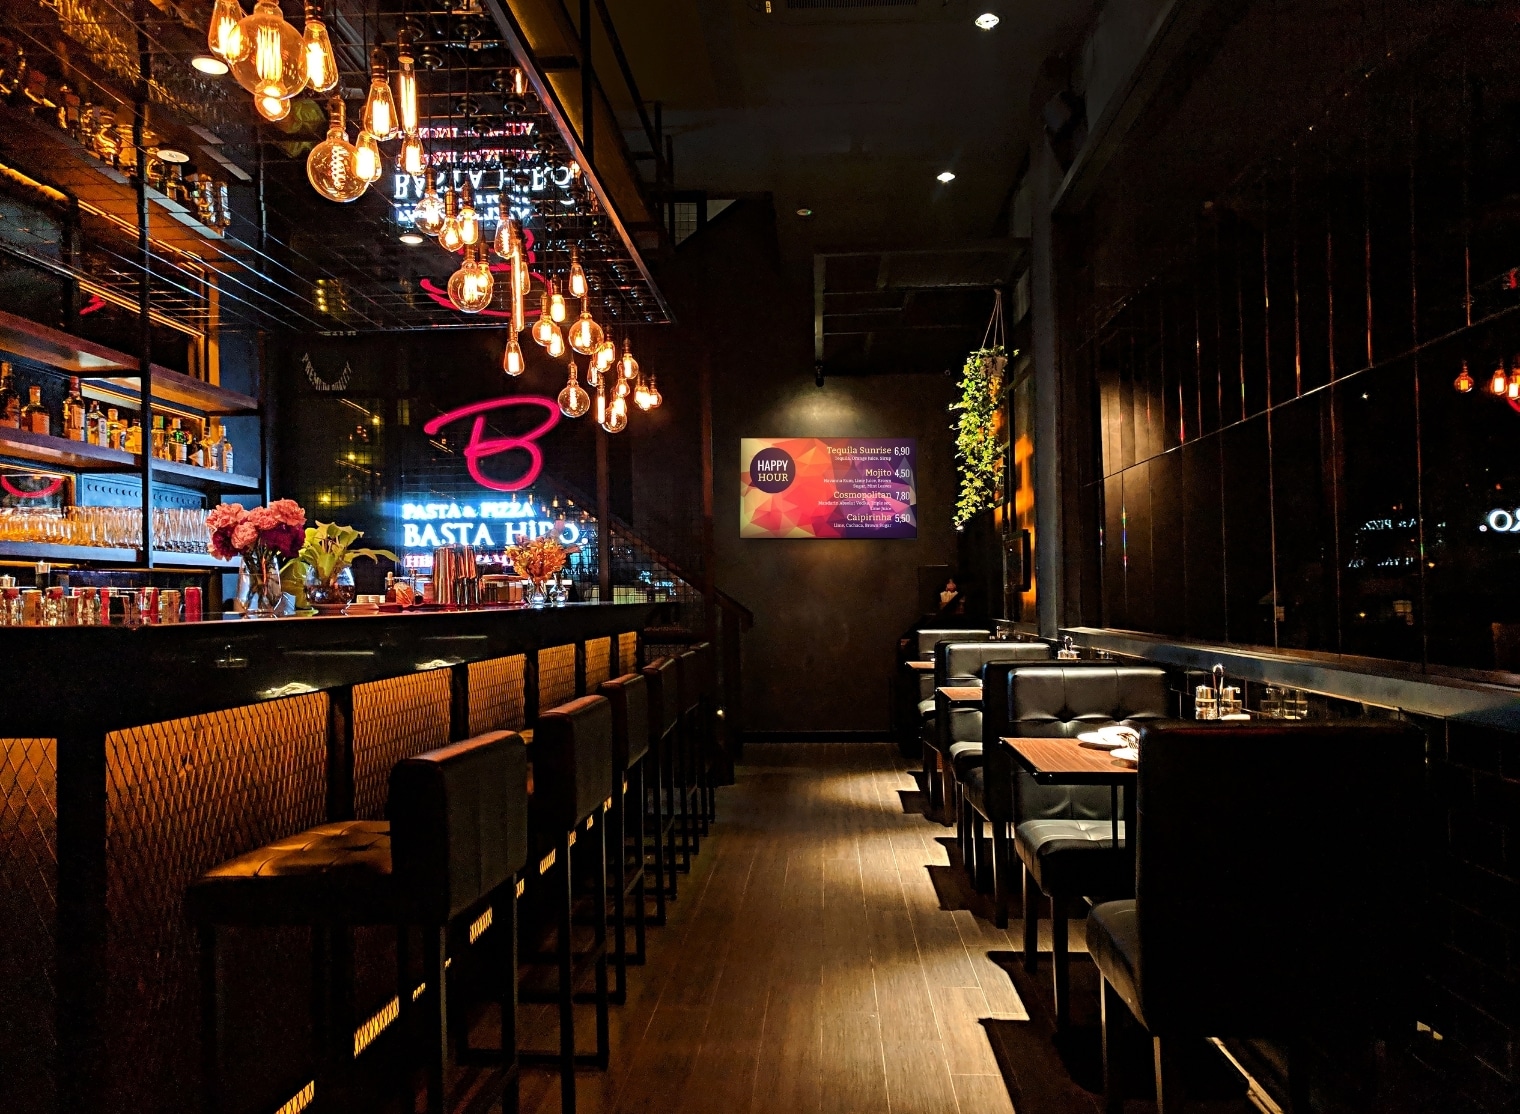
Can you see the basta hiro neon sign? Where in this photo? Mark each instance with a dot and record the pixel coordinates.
(480, 447)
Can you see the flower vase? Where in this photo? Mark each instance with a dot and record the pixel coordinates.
(538, 594)
(259, 591)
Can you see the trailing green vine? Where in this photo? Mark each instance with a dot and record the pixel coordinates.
(976, 442)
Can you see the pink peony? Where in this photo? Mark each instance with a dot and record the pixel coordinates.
(288, 512)
(284, 539)
(245, 535)
(225, 515)
(221, 544)
(263, 518)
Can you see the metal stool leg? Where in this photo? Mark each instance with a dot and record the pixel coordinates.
(211, 1010)
(435, 940)
(566, 985)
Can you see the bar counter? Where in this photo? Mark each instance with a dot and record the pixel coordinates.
(134, 758)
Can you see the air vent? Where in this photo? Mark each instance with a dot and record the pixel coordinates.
(796, 5)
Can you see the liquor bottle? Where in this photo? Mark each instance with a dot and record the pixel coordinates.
(224, 452)
(131, 438)
(198, 447)
(211, 447)
(73, 412)
(95, 424)
(10, 399)
(158, 436)
(179, 443)
(34, 416)
(114, 429)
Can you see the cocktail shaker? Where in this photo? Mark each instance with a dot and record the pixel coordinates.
(455, 577)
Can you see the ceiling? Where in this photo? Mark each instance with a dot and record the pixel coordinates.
(849, 108)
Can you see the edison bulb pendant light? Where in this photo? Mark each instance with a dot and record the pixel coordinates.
(655, 398)
(1514, 384)
(411, 158)
(606, 353)
(505, 242)
(573, 400)
(406, 84)
(577, 275)
(428, 215)
(519, 288)
(641, 396)
(379, 106)
(272, 108)
(273, 58)
(448, 232)
(512, 361)
(469, 220)
(622, 390)
(628, 367)
(556, 346)
(222, 36)
(617, 415)
(1500, 382)
(367, 161)
(1464, 382)
(470, 287)
(321, 66)
(601, 406)
(544, 325)
(330, 166)
(557, 306)
(593, 375)
(585, 334)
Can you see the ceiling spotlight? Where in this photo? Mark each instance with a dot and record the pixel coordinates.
(209, 64)
(411, 238)
(804, 212)
(987, 21)
(946, 176)
(172, 154)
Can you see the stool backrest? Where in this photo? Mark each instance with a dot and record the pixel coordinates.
(664, 695)
(459, 822)
(689, 672)
(572, 762)
(926, 640)
(1063, 700)
(1278, 874)
(629, 697)
(707, 673)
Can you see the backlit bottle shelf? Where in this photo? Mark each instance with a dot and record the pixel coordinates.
(61, 452)
(109, 555)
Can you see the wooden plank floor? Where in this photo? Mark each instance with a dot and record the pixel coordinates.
(827, 957)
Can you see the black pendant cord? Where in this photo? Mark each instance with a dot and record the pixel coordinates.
(144, 284)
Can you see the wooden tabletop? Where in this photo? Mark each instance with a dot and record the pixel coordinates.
(921, 666)
(1068, 762)
(961, 694)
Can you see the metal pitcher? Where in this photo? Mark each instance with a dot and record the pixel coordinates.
(455, 577)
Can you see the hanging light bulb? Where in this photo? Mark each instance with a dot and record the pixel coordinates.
(272, 108)
(556, 305)
(330, 165)
(628, 367)
(577, 275)
(556, 346)
(321, 66)
(471, 286)
(469, 220)
(428, 215)
(641, 396)
(519, 287)
(593, 375)
(655, 398)
(406, 83)
(606, 353)
(519, 82)
(544, 326)
(586, 335)
(411, 159)
(573, 400)
(617, 416)
(1514, 384)
(379, 106)
(505, 243)
(273, 59)
(222, 36)
(512, 361)
(1499, 384)
(367, 160)
(601, 405)
(622, 390)
(448, 234)
(1464, 382)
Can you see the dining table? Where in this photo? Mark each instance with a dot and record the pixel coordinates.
(1063, 761)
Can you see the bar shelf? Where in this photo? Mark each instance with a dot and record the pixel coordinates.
(64, 453)
(110, 555)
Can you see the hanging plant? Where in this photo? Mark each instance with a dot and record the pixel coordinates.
(976, 441)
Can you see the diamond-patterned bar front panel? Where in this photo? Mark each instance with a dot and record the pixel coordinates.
(182, 796)
(598, 662)
(628, 651)
(28, 909)
(556, 676)
(497, 691)
(395, 719)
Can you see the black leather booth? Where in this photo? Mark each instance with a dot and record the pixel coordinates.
(1277, 891)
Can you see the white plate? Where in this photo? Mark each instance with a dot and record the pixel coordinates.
(1128, 755)
(1107, 738)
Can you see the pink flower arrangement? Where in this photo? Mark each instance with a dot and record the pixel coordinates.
(236, 532)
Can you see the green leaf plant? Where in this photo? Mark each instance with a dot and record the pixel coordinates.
(328, 550)
(975, 431)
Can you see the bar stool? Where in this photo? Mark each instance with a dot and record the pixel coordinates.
(688, 674)
(629, 696)
(664, 720)
(707, 719)
(571, 753)
(447, 858)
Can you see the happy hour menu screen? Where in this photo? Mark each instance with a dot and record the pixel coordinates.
(827, 487)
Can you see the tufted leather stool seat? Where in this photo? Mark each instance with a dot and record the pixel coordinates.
(629, 697)
(1061, 859)
(456, 839)
(664, 718)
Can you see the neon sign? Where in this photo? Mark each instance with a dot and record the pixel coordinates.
(483, 525)
(1501, 521)
(480, 447)
(41, 493)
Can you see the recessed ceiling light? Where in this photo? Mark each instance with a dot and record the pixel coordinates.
(411, 237)
(804, 212)
(172, 154)
(987, 21)
(208, 63)
(946, 176)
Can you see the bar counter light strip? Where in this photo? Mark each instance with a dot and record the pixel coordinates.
(300, 1100)
(497, 694)
(395, 719)
(598, 662)
(556, 676)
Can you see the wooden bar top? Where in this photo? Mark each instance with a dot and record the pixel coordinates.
(961, 694)
(1059, 761)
